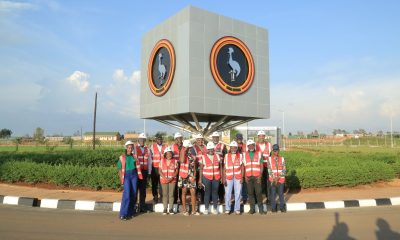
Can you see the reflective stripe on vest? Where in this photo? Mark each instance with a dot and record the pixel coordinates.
(265, 152)
(200, 151)
(157, 155)
(176, 151)
(277, 167)
(233, 168)
(143, 158)
(211, 169)
(219, 148)
(253, 166)
(167, 170)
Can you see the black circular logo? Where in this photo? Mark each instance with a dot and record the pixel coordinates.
(161, 67)
(232, 65)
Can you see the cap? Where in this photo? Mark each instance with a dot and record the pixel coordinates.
(275, 147)
(167, 149)
(261, 132)
(210, 145)
(239, 136)
(187, 144)
(177, 135)
(129, 142)
(250, 142)
(233, 144)
(215, 134)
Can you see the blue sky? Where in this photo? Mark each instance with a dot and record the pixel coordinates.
(333, 64)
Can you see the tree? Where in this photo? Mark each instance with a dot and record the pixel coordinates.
(5, 133)
(233, 134)
(69, 141)
(38, 135)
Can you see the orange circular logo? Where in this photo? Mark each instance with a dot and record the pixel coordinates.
(161, 68)
(232, 65)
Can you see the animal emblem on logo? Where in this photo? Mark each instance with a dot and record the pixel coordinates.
(234, 65)
(161, 69)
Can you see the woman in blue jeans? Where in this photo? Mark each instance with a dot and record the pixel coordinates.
(210, 174)
(129, 172)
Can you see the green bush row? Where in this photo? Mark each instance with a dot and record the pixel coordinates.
(105, 158)
(63, 175)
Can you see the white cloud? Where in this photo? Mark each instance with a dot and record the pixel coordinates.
(9, 6)
(79, 80)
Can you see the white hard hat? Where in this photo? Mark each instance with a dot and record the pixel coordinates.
(167, 149)
(199, 136)
(129, 142)
(233, 144)
(187, 144)
(249, 142)
(142, 135)
(215, 134)
(177, 135)
(210, 145)
(261, 132)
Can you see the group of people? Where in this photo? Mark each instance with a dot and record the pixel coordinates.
(211, 171)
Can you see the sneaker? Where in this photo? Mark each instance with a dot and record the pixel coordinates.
(123, 218)
(252, 211)
(237, 212)
(227, 212)
(185, 213)
(205, 212)
(274, 210)
(283, 210)
(165, 212)
(171, 212)
(196, 213)
(215, 212)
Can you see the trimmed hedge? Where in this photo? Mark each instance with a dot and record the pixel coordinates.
(64, 175)
(105, 158)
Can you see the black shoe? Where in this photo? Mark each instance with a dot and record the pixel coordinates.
(283, 210)
(171, 211)
(262, 212)
(165, 212)
(274, 210)
(143, 210)
(123, 218)
(252, 211)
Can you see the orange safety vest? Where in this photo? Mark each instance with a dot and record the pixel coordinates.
(142, 157)
(121, 172)
(277, 167)
(219, 148)
(211, 169)
(200, 151)
(233, 168)
(157, 155)
(253, 166)
(266, 152)
(176, 151)
(168, 170)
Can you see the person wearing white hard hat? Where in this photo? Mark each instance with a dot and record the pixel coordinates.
(129, 171)
(265, 148)
(157, 151)
(176, 148)
(168, 174)
(253, 163)
(199, 149)
(210, 175)
(143, 154)
(233, 177)
(219, 149)
(187, 176)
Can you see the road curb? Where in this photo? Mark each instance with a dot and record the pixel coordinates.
(86, 205)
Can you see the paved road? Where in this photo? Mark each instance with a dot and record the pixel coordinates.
(17, 222)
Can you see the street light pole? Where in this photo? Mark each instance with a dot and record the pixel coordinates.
(391, 129)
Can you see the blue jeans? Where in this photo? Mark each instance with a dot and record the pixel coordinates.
(211, 189)
(128, 201)
(278, 187)
(237, 186)
(245, 194)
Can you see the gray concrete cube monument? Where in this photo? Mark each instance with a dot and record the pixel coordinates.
(202, 72)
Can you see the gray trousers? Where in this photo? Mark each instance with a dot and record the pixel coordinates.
(168, 194)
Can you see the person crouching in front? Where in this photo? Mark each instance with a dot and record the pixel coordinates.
(129, 171)
(168, 170)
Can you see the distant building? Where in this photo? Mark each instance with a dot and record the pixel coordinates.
(131, 136)
(55, 139)
(102, 136)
